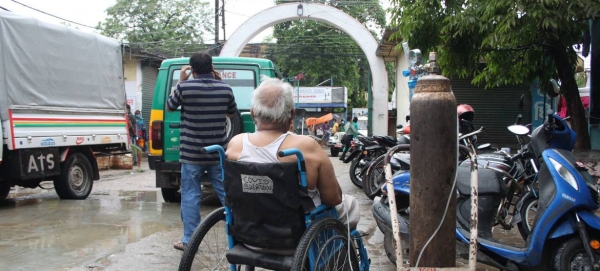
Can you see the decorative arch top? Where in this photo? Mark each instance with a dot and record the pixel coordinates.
(332, 16)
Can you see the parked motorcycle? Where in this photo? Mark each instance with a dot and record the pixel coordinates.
(374, 176)
(565, 234)
(362, 151)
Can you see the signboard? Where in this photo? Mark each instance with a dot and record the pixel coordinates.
(312, 94)
(538, 107)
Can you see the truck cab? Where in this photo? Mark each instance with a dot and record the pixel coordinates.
(242, 74)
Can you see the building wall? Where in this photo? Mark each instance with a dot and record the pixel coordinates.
(132, 73)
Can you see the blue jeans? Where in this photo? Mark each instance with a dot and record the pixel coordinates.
(191, 193)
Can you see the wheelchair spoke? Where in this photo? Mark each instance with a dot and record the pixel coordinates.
(325, 247)
(208, 245)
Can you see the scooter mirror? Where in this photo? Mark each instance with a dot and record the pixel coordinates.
(553, 88)
(484, 146)
(399, 126)
(518, 129)
(521, 101)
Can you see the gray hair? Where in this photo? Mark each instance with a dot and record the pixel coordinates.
(273, 100)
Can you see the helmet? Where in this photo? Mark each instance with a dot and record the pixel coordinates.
(406, 129)
(465, 112)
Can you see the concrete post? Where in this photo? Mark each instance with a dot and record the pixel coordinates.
(433, 155)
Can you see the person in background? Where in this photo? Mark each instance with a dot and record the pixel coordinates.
(326, 133)
(336, 127)
(141, 135)
(351, 132)
(133, 147)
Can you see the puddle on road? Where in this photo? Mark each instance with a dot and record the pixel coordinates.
(50, 234)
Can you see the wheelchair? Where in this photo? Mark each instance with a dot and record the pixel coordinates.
(270, 223)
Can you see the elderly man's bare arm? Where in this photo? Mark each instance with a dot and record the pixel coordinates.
(318, 162)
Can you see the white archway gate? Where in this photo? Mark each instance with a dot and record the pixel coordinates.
(335, 17)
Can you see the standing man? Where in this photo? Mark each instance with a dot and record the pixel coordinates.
(133, 147)
(351, 132)
(205, 103)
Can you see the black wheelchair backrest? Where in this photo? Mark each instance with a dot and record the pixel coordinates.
(267, 202)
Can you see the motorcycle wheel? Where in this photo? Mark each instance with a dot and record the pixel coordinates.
(571, 255)
(388, 245)
(355, 172)
(372, 182)
(528, 212)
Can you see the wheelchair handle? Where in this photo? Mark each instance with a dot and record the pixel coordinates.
(301, 164)
(213, 148)
(216, 148)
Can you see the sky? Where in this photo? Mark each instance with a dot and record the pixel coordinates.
(90, 12)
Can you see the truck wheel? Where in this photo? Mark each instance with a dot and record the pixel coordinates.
(334, 152)
(4, 190)
(234, 125)
(171, 194)
(75, 180)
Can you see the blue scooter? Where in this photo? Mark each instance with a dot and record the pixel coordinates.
(566, 233)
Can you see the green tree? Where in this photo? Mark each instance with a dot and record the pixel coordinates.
(518, 40)
(323, 52)
(172, 27)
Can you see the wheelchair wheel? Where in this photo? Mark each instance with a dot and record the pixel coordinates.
(325, 246)
(208, 245)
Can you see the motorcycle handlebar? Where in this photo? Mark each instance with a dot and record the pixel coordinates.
(461, 137)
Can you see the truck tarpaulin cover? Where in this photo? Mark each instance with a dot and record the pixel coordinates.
(48, 65)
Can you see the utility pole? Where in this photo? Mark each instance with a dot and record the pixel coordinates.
(223, 19)
(216, 22)
(433, 159)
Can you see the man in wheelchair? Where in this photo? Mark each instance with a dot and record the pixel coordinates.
(273, 113)
(272, 221)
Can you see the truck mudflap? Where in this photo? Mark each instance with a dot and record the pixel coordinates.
(32, 163)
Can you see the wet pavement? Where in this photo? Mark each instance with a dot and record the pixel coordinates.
(126, 225)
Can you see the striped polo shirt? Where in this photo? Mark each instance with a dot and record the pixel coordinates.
(204, 103)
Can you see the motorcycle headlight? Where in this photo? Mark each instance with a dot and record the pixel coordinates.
(565, 174)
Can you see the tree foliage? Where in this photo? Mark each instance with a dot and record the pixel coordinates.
(518, 40)
(322, 52)
(173, 27)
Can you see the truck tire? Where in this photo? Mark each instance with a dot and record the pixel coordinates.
(171, 194)
(234, 125)
(75, 180)
(4, 190)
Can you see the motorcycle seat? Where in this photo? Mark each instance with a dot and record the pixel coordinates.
(490, 182)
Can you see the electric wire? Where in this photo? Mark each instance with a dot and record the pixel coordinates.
(52, 15)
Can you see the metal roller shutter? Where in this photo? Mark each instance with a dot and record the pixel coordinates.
(495, 110)
(149, 73)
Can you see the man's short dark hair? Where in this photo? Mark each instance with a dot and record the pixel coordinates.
(201, 63)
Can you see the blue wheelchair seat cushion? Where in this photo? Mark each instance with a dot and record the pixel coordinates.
(242, 255)
(267, 202)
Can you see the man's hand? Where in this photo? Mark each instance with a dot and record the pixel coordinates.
(183, 75)
(217, 75)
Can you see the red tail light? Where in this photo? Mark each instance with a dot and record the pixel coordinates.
(156, 134)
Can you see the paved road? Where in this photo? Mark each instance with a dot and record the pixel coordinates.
(123, 225)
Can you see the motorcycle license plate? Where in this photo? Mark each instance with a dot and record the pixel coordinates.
(338, 145)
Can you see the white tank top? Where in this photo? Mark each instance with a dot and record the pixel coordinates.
(268, 154)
